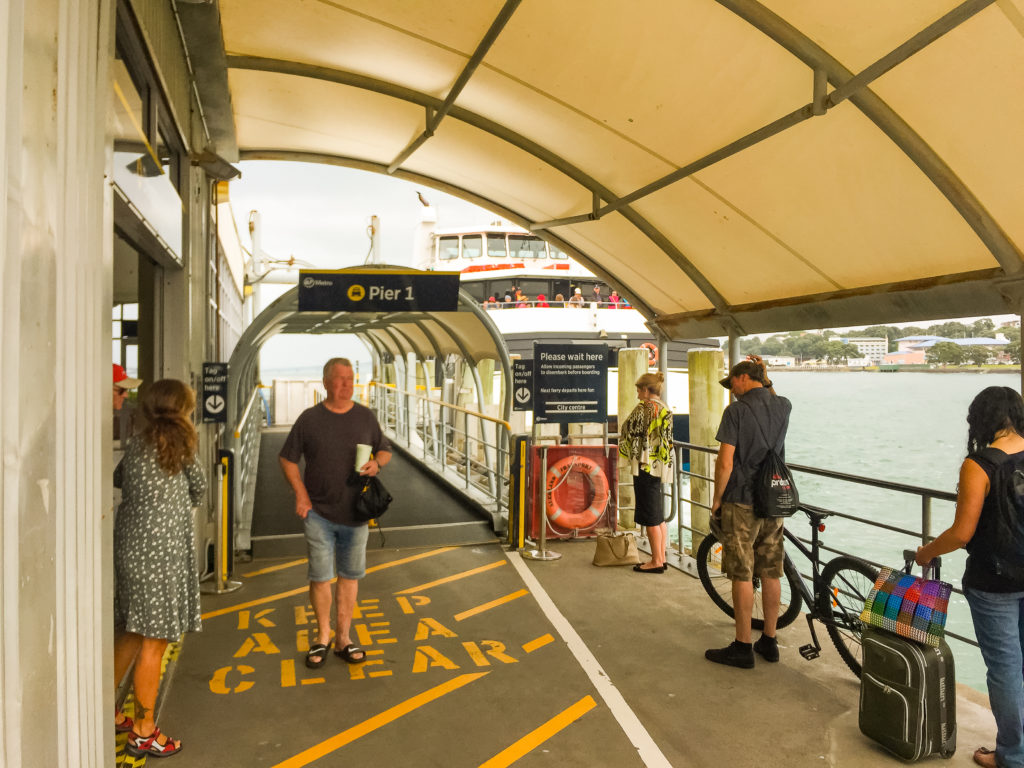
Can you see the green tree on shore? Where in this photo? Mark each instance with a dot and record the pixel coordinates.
(945, 353)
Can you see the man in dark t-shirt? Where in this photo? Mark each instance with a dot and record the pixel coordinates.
(751, 546)
(327, 435)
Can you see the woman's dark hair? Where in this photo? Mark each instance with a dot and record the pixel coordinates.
(994, 409)
(166, 407)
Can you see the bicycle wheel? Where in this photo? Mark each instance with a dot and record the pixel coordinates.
(845, 583)
(719, 587)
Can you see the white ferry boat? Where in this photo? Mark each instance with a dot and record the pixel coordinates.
(536, 292)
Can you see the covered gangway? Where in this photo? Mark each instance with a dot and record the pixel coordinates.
(736, 166)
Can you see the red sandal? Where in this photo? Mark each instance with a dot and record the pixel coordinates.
(148, 745)
(126, 725)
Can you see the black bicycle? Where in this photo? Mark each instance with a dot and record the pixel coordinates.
(835, 598)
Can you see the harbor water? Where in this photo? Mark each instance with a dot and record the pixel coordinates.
(902, 427)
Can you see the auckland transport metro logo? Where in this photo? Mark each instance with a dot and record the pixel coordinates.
(312, 282)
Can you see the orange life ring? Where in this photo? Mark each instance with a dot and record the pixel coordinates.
(652, 352)
(582, 518)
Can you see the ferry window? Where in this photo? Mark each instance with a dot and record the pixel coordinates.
(472, 246)
(474, 289)
(496, 247)
(448, 248)
(533, 288)
(525, 247)
(557, 254)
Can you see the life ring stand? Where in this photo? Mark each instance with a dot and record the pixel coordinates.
(582, 518)
(652, 352)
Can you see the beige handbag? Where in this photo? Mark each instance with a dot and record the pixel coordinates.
(616, 549)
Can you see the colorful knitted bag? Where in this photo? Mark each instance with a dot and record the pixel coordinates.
(908, 606)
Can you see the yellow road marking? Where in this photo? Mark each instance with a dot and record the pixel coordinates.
(404, 560)
(378, 721)
(540, 642)
(272, 568)
(453, 577)
(492, 604)
(300, 590)
(539, 735)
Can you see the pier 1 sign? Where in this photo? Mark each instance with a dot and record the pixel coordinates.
(215, 392)
(378, 290)
(570, 383)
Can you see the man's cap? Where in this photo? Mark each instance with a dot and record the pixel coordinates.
(122, 380)
(578, 291)
(749, 367)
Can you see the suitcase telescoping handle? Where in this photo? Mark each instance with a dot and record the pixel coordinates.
(929, 571)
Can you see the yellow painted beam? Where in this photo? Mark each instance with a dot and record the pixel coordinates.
(449, 579)
(492, 604)
(539, 735)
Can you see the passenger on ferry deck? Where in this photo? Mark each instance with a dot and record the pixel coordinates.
(522, 300)
(541, 301)
(577, 299)
(646, 442)
(327, 435)
(752, 546)
(156, 593)
(508, 301)
(597, 295)
(991, 525)
(489, 302)
(614, 299)
(559, 300)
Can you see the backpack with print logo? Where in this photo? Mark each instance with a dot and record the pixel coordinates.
(775, 492)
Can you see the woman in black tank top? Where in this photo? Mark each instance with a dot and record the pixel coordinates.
(995, 420)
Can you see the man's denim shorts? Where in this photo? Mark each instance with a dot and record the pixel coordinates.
(335, 549)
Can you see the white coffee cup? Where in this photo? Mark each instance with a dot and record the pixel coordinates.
(362, 455)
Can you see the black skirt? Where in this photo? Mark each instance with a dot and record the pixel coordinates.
(650, 503)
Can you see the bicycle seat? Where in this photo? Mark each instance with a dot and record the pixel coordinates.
(815, 514)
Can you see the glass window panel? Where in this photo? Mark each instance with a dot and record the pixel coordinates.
(131, 311)
(116, 351)
(525, 247)
(448, 248)
(472, 246)
(131, 360)
(117, 330)
(556, 253)
(496, 246)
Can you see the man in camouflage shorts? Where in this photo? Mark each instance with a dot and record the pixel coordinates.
(752, 546)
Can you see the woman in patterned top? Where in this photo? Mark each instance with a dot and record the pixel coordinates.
(156, 580)
(645, 438)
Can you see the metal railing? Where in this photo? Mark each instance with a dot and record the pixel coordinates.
(925, 495)
(246, 447)
(459, 442)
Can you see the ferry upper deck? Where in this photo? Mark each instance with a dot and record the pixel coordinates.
(730, 166)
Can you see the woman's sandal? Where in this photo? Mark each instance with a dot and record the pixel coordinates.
(126, 725)
(985, 757)
(349, 652)
(148, 745)
(318, 650)
(659, 569)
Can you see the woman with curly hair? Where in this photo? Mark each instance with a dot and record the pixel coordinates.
(991, 526)
(156, 595)
(645, 440)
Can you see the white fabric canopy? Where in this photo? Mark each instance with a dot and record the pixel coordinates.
(896, 194)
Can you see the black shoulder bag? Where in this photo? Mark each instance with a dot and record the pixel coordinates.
(774, 490)
(372, 498)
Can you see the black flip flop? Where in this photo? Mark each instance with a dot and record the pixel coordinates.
(317, 650)
(348, 652)
(660, 569)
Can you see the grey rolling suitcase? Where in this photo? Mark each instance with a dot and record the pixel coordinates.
(907, 695)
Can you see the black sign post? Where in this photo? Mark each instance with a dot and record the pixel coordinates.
(215, 392)
(390, 290)
(522, 385)
(570, 383)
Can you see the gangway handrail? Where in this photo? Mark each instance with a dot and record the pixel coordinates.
(245, 414)
(452, 406)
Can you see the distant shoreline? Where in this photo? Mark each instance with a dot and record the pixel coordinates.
(897, 369)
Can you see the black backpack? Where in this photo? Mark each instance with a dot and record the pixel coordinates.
(775, 492)
(1006, 488)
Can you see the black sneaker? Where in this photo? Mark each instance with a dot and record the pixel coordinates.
(736, 654)
(768, 647)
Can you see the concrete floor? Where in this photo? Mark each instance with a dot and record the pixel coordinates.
(472, 671)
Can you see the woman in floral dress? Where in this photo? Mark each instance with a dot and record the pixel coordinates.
(156, 579)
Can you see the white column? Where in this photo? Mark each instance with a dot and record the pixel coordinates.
(633, 363)
(707, 401)
(56, 686)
